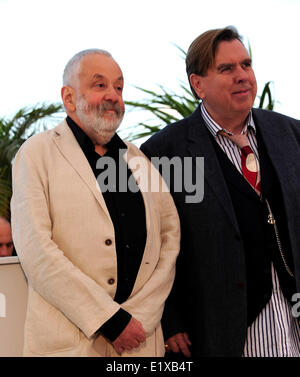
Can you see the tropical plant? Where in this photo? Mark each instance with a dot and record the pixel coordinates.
(266, 93)
(165, 105)
(13, 132)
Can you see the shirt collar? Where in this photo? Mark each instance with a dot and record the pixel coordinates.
(86, 143)
(215, 128)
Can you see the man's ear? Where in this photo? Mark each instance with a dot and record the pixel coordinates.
(68, 96)
(197, 84)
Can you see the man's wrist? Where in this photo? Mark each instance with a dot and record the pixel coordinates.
(112, 328)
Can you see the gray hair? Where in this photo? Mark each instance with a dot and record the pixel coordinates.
(73, 64)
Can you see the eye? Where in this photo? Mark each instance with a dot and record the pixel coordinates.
(100, 85)
(226, 68)
(247, 64)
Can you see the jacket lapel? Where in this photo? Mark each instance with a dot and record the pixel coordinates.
(199, 144)
(282, 150)
(68, 146)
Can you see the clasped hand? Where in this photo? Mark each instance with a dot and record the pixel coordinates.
(131, 337)
(179, 343)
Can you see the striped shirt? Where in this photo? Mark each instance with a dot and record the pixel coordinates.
(275, 332)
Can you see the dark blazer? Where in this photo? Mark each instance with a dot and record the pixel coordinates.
(209, 298)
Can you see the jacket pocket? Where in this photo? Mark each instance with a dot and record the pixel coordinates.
(47, 330)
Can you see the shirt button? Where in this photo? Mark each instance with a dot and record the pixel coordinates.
(108, 242)
(127, 247)
(111, 281)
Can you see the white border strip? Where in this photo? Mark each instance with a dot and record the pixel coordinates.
(9, 260)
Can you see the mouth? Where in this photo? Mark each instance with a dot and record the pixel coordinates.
(110, 111)
(241, 92)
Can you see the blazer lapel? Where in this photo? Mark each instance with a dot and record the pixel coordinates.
(279, 149)
(68, 146)
(199, 144)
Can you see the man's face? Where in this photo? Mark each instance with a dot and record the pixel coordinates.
(229, 88)
(6, 243)
(99, 102)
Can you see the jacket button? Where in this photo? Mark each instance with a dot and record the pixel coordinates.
(111, 281)
(108, 242)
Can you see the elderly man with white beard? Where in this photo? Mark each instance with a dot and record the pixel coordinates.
(99, 263)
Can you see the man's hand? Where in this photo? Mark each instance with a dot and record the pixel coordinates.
(130, 337)
(179, 343)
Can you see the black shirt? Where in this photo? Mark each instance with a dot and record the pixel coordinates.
(127, 212)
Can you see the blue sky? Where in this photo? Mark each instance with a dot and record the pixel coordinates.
(38, 37)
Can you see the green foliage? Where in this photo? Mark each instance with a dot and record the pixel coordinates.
(166, 106)
(266, 94)
(13, 132)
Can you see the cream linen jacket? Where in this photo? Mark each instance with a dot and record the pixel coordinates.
(60, 224)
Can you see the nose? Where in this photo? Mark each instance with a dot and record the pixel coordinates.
(111, 94)
(241, 75)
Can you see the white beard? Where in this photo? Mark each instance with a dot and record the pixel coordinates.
(99, 129)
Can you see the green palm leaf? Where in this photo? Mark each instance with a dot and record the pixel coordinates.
(13, 133)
